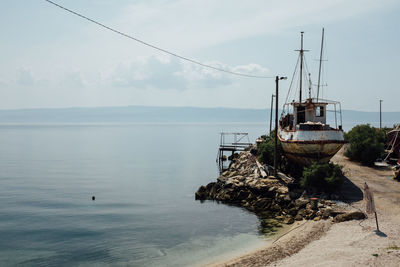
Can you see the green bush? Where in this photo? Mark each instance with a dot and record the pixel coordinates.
(266, 155)
(326, 176)
(266, 149)
(366, 144)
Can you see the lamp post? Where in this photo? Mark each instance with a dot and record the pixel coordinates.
(277, 78)
(270, 117)
(380, 114)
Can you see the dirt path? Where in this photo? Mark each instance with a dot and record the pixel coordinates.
(353, 243)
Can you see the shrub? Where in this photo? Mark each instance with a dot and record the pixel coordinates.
(326, 176)
(266, 149)
(266, 155)
(366, 144)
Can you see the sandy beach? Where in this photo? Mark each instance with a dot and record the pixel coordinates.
(351, 243)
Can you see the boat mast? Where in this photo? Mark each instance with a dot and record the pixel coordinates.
(320, 63)
(301, 65)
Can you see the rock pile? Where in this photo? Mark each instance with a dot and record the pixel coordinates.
(243, 184)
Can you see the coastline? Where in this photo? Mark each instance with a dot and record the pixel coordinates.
(296, 236)
(320, 243)
(264, 242)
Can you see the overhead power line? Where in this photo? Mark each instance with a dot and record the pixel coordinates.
(155, 47)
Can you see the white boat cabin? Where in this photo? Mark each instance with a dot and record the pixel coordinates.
(307, 115)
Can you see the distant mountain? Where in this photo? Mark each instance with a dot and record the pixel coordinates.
(142, 114)
(132, 114)
(362, 117)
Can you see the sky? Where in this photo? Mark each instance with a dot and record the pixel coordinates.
(50, 58)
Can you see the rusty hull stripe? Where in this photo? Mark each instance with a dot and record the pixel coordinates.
(311, 155)
(316, 130)
(313, 142)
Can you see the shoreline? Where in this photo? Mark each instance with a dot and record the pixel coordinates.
(264, 242)
(275, 240)
(319, 243)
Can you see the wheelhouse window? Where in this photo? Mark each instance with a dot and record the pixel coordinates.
(319, 111)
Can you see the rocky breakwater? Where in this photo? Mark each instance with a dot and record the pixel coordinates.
(247, 184)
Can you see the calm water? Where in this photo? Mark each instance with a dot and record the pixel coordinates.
(143, 176)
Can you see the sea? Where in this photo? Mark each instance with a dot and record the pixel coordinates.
(143, 177)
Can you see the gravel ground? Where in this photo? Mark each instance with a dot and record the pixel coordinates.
(352, 243)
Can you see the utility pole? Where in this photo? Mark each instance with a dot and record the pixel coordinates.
(270, 118)
(277, 78)
(380, 114)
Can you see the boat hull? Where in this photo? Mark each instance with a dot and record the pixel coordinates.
(305, 154)
(304, 147)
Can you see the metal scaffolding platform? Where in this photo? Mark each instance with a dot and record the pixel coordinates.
(231, 143)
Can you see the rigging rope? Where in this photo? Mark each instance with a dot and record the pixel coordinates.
(155, 47)
(291, 82)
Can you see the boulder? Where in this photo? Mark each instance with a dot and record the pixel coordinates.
(280, 218)
(276, 207)
(326, 213)
(262, 203)
(226, 173)
(272, 189)
(254, 151)
(301, 202)
(310, 214)
(286, 198)
(298, 217)
(201, 193)
(293, 211)
(210, 185)
(242, 195)
(234, 173)
(222, 179)
(348, 216)
(227, 196)
(288, 220)
(302, 212)
(282, 190)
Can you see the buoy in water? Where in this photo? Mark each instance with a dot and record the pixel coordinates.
(93, 198)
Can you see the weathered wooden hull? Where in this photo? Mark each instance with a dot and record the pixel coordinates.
(307, 146)
(305, 154)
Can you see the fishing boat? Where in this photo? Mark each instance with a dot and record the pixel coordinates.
(303, 129)
(394, 143)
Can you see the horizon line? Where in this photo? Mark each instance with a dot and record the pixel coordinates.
(143, 106)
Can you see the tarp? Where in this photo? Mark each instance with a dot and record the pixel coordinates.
(369, 199)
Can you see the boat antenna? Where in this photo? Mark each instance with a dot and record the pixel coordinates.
(320, 63)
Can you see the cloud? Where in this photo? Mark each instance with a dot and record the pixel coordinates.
(171, 73)
(72, 79)
(3, 82)
(25, 77)
(252, 68)
(151, 72)
(183, 24)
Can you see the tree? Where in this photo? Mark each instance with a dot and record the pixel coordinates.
(266, 149)
(366, 144)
